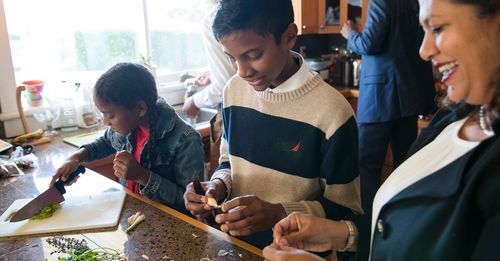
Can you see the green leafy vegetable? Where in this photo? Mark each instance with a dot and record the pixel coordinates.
(47, 211)
(78, 250)
(100, 254)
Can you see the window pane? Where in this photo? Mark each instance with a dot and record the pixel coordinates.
(58, 38)
(76, 39)
(175, 28)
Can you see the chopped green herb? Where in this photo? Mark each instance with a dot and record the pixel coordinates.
(47, 211)
(77, 250)
(101, 254)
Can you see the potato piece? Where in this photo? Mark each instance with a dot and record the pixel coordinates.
(212, 202)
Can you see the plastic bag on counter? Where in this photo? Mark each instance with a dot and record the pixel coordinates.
(23, 157)
(27, 161)
(9, 169)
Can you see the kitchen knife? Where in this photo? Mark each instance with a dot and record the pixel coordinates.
(47, 198)
(198, 189)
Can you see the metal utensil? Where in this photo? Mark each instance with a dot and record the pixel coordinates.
(198, 189)
(47, 198)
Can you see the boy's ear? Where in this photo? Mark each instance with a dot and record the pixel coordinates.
(289, 37)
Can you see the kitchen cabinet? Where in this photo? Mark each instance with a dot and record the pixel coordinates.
(306, 16)
(328, 16)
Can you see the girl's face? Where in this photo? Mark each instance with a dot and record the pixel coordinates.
(463, 47)
(119, 118)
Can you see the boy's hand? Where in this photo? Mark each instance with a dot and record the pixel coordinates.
(63, 172)
(198, 204)
(126, 167)
(249, 214)
(310, 233)
(274, 252)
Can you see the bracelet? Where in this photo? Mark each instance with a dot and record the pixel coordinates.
(350, 238)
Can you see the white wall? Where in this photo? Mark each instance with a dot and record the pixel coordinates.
(8, 115)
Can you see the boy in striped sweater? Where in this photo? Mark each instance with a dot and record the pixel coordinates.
(289, 139)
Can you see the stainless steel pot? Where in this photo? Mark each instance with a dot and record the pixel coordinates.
(319, 65)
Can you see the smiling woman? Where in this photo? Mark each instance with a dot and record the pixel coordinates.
(451, 171)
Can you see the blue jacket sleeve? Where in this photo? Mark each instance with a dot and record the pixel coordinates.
(101, 147)
(375, 31)
(188, 159)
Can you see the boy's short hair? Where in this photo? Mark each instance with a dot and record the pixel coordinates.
(263, 16)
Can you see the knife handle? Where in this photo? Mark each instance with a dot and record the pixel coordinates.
(198, 189)
(59, 184)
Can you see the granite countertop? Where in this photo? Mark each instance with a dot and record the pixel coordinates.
(165, 234)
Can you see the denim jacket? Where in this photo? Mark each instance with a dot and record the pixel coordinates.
(178, 154)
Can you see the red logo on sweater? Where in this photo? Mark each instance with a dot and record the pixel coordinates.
(296, 148)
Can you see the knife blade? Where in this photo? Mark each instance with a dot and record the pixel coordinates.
(50, 196)
(198, 189)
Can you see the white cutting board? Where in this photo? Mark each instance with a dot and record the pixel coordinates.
(76, 213)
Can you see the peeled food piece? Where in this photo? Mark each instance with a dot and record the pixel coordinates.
(212, 202)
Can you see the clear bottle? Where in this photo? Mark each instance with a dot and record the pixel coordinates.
(85, 109)
(68, 110)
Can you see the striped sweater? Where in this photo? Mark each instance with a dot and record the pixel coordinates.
(297, 148)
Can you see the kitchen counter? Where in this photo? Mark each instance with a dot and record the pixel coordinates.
(165, 234)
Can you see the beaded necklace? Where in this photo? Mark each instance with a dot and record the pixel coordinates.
(482, 123)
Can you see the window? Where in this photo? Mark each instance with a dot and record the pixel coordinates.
(77, 40)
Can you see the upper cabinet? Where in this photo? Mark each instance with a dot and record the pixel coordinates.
(306, 16)
(328, 16)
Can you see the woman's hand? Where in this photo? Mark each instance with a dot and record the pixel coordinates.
(246, 215)
(277, 253)
(126, 167)
(311, 233)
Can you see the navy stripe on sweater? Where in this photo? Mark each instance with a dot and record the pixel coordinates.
(290, 146)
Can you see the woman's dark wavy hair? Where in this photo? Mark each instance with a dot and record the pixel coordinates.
(125, 85)
(486, 9)
(263, 16)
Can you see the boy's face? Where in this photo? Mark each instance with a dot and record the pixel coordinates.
(258, 59)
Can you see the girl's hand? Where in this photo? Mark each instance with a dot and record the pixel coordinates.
(310, 233)
(63, 172)
(246, 215)
(277, 253)
(126, 167)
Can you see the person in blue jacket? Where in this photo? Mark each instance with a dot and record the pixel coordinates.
(395, 87)
(156, 153)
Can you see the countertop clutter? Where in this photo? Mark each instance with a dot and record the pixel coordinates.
(165, 234)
